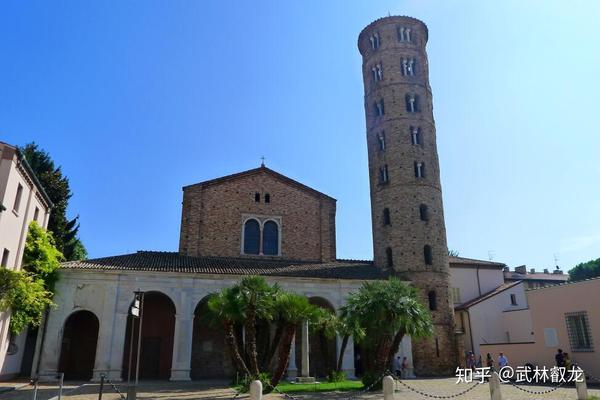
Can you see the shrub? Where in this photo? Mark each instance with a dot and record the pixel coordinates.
(371, 378)
(336, 376)
(264, 377)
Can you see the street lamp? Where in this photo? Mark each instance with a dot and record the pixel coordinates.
(137, 312)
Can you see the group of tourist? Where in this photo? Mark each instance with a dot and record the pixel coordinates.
(489, 361)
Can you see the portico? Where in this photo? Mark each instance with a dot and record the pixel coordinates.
(104, 288)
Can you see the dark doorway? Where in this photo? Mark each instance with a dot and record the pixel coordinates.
(78, 350)
(210, 359)
(158, 330)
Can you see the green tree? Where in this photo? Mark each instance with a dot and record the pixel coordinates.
(57, 187)
(586, 270)
(27, 294)
(294, 310)
(41, 258)
(386, 311)
(26, 298)
(345, 325)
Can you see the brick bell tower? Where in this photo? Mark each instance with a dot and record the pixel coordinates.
(409, 234)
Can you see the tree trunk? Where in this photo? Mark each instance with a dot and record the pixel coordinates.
(285, 348)
(232, 342)
(266, 362)
(251, 340)
(343, 346)
(395, 345)
(383, 351)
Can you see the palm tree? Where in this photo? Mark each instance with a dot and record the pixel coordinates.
(258, 300)
(250, 300)
(225, 308)
(344, 325)
(293, 309)
(386, 311)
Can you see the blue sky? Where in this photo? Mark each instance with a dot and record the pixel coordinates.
(136, 99)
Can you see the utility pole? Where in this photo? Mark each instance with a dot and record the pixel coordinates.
(137, 313)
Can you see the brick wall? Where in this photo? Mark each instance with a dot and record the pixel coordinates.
(213, 213)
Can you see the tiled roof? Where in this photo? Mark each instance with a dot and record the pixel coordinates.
(473, 262)
(156, 261)
(487, 295)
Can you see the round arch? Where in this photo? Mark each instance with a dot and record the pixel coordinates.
(158, 330)
(78, 348)
(210, 358)
(322, 352)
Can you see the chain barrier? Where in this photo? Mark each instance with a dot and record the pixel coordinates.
(537, 392)
(435, 396)
(352, 396)
(115, 388)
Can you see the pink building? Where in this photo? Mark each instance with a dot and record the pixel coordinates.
(563, 317)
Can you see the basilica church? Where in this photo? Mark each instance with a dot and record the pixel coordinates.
(260, 222)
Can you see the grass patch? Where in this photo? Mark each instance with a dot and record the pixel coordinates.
(343, 386)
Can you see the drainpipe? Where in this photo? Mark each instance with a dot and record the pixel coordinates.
(470, 329)
(478, 282)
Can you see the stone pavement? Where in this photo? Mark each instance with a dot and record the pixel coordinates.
(219, 391)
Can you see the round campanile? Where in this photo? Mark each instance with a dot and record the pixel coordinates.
(409, 233)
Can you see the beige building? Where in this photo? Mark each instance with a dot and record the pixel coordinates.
(489, 300)
(22, 200)
(563, 317)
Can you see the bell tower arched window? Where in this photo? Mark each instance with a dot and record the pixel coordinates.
(423, 212)
(386, 217)
(427, 253)
(389, 257)
(251, 237)
(270, 239)
(432, 297)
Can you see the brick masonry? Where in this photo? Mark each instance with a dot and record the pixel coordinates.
(406, 234)
(213, 214)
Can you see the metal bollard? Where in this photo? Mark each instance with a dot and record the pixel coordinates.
(388, 387)
(61, 378)
(101, 386)
(495, 392)
(131, 392)
(35, 388)
(256, 390)
(582, 393)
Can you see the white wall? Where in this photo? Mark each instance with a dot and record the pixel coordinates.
(465, 278)
(488, 321)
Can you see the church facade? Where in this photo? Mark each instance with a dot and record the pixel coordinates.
(260, 222)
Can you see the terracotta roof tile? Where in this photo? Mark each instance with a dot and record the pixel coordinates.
(156, 261)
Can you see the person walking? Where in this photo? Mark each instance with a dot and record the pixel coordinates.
(489, 362)
(560, 358)
(398, 367)
(502, 361)
(404, 366)
(568, 363)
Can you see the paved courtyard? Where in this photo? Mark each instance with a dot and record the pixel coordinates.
(218, 390)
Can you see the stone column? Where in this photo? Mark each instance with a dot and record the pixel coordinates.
(305, 350)
(292, 369)
(348, 357)
(106, 332)
(182, 348)
(406, 351)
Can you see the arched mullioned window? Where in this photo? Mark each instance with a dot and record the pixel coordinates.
(270, 239)
(432, 300)
(251, 237)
